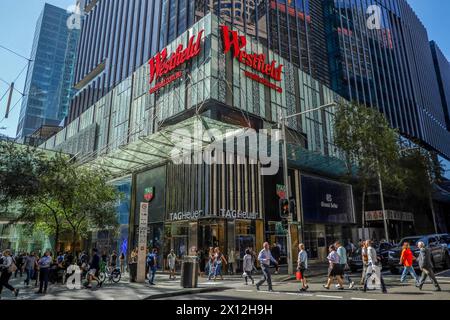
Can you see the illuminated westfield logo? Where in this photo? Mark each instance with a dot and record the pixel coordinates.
(235, 43)
(162, 64)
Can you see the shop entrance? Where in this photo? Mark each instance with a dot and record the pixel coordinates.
(211, 233)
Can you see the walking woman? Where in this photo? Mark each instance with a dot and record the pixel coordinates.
(407, 260)
(7, 269)
(211, 263)
(302, 265)
(122, 263)
(249, 265)
(220, 261)
(334, 269)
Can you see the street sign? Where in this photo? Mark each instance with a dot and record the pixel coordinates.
(142, 241)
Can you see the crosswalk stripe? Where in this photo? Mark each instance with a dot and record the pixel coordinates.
(361, 299)
(332, 297)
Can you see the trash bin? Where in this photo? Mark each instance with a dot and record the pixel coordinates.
(189, 272)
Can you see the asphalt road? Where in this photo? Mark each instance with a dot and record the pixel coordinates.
(290, 291)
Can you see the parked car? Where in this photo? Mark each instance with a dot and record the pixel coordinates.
(439, 252)
(355, 261)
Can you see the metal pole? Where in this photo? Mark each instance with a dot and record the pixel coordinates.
(386, 231)
(288, 195)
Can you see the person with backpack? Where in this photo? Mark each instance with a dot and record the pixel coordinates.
(248, 266)
(152, 266)
(7, 268)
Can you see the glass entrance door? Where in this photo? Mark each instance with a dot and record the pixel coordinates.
(211, 233)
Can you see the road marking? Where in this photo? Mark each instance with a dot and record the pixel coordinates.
(361, 299)
(299, 294)
(244, 290)
(332, 297)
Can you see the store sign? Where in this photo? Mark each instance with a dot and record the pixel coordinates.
(223, 213)
(326, 201)
(390, 215)
(281, 191)
(162, 64)
(149, 194)
(235, 43)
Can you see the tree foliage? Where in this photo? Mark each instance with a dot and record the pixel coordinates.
(55, 195)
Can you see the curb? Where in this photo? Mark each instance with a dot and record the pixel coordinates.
(186, 292)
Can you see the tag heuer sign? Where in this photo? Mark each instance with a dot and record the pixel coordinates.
(281, 191)
(149, 194)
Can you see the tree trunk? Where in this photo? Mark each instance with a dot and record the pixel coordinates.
(363, 207)
(74, 242)
(57, 249)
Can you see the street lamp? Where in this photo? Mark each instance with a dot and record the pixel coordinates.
(283, 121)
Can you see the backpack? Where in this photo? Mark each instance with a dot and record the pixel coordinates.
(151, 260)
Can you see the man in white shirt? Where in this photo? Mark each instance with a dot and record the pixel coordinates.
(264, 258)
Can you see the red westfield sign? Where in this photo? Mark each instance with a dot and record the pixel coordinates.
(231, 40)
(161, 64)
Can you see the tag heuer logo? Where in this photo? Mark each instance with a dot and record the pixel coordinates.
(149, 194)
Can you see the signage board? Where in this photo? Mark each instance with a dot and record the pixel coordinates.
(223, 213)
(161, 65)
(233, 42)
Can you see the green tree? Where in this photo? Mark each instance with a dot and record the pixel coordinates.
(368, 144)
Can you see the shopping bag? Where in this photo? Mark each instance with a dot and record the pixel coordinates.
(298, 276)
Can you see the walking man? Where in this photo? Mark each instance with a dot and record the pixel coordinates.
(44, 271)
(264, 258)
(152, 266)
(342, 252)
(426, 266)
(30, 263)
(302, 265)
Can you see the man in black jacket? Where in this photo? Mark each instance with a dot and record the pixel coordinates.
(426, 266)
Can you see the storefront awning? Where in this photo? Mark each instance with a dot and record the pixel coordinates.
(167, 144)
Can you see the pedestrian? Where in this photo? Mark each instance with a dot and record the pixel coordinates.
(276, 254)
(44, 272)
(265, 258)
(94, 268)
(334, 270)
(302, 266)
(211, 263)
(426, 266)
(372, 266)
(113, 261)
(343, 265)
(365, 261)
(6, 269)
(122, 263)
(152, 266)
(19, 261)
(30, 263)
(231, 262)
(219, 262)
(248, 266)
(171, 262)
(406, 259)
(133, 265)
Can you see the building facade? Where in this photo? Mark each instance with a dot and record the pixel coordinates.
(135, 132)
(48, 88)
(442, 66)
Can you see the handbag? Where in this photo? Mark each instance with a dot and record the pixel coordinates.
(12, 268)
(298, 276)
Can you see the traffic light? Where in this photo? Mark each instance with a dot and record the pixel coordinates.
(284, 208)
(293, 207)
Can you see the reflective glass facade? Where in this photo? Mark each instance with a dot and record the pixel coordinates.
(48, 89)
(442, 66)
(390, 67)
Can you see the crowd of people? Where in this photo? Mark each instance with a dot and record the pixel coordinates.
(44, 268)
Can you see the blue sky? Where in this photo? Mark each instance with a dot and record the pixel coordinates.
(18, 19)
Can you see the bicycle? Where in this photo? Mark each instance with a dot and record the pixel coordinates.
(111, 276)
